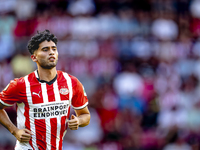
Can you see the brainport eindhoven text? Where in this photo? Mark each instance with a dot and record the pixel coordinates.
(51, 111)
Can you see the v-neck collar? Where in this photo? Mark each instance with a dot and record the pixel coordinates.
(43, 81)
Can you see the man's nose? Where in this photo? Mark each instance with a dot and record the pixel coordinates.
(51, 51)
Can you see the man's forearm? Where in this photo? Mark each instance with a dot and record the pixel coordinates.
(22, 135)
(6, 122)
(84, 120)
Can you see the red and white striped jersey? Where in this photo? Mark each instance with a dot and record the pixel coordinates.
(44, 108)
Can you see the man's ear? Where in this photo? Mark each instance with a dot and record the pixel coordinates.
(33, 57)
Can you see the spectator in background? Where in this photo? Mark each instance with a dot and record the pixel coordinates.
(164, 27)
(129, 86)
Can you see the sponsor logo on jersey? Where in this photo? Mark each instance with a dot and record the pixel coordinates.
(64, 91)
(49, 110)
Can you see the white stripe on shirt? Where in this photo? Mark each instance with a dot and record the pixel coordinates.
(47, 120)
(57, 98)
(32, 122)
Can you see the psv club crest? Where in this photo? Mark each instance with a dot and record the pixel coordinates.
(64, 91)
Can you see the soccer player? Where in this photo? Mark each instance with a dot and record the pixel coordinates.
(43, 100)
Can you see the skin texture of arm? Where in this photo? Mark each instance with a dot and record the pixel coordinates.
(23, 135)
(81, 119)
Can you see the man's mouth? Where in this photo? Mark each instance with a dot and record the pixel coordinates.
(52, 58)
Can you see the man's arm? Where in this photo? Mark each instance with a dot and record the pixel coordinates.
(81, 119)
(22, 135)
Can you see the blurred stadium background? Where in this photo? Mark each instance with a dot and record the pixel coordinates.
(139, 61)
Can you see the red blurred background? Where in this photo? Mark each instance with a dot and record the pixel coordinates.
(139, 61)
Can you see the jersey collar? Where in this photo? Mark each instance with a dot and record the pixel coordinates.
(43, 81)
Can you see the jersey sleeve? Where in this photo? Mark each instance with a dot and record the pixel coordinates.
(79, 99)
(9, 95)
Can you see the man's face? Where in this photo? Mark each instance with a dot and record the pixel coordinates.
(46, 55)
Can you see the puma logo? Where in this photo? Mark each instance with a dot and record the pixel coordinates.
(38, 94)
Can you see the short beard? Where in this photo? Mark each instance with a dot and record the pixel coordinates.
(48, 66)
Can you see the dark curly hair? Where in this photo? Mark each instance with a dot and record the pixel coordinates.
(40, 37)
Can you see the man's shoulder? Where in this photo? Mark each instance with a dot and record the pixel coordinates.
(14, 84)
(21, 80)
(65, 73)
(17, 80)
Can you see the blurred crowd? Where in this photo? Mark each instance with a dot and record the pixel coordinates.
(139, 61)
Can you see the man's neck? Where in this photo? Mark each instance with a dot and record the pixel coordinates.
(47, 74)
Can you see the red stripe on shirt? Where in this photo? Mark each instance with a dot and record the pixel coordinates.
(53, 122)
(50, 93)
(41, 134)
(63, 120)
